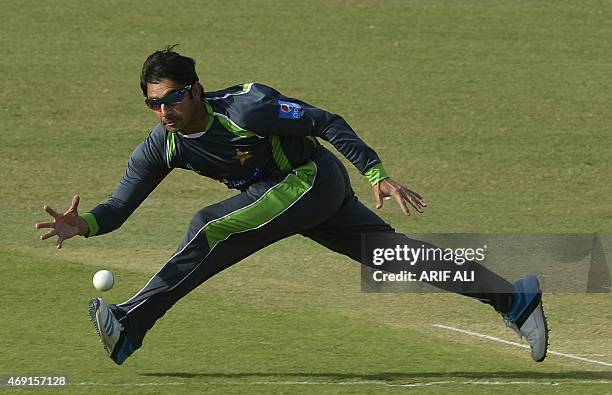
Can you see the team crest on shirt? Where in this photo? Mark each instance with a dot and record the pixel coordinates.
(242, 156)
(288, 110)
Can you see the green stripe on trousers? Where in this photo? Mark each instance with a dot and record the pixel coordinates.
(270, 205)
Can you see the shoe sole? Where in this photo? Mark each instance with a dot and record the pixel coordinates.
(541, 306)
(94, 317)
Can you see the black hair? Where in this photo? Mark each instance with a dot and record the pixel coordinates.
(167, 64)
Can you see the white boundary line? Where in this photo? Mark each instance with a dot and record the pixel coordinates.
(366, 382)
(560, 354)
(552, 383)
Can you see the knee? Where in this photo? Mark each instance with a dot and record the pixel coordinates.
(201, 218)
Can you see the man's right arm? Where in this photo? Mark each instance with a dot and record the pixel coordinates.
(146, 169)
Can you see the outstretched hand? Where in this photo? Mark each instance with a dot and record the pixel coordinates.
(388, 188)
(64, 226)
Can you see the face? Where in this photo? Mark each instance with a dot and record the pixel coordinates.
(186, 116)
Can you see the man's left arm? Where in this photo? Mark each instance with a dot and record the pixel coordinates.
(291, 117)
(279, 115)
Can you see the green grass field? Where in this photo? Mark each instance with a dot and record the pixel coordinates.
(497, 112)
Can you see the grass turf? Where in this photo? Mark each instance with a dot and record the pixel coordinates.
(497, 112)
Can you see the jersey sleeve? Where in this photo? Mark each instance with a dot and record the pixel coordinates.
(271, 113)
(145, 170)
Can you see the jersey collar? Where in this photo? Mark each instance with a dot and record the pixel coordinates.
(209, 110)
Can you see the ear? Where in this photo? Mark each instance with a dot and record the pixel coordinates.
(197, 90)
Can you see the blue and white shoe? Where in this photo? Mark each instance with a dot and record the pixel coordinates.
(111, 332)
(526, 316)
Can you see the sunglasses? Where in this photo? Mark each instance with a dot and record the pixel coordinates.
(170, 99)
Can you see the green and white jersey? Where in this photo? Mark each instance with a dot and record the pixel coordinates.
(254, 131)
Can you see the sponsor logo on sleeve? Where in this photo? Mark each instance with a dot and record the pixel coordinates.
(288, 110)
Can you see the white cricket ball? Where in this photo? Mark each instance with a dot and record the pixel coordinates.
(103, 280)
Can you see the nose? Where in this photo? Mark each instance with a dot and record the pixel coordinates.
(166, 109)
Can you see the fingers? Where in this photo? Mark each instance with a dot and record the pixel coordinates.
(399, 198)
(48, 234)
(51, 212)
(40, 225)
(377, 196)
(418, 198)
(414, 194)
(388, 188)
(403, 195)
(398, 193)
(75, 203)
(58, 219)
(60, 241)
(414, 201)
